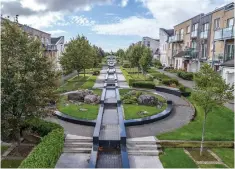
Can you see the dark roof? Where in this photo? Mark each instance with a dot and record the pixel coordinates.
(55, 40)
(229, 63)
(169, 32)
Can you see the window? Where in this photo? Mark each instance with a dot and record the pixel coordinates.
(230, 22)
(148, 43)
(188, 29)
(205, 27)
(229, 52)
(195, 27)
(216, 23)
(194, 45)
(204, 50)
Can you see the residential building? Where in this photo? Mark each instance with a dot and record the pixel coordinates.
(222, 35)
(53, 46)
(153, 44)
(55, 50)
(227, 71)
(165, 46)
(203, 38)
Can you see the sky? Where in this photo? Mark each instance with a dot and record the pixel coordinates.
(110, 24)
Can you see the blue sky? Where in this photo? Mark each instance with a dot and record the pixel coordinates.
(110, 24)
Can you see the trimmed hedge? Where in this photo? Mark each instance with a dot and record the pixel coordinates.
(48, 151)
(185, 75)
(144, 84)
(170, 81)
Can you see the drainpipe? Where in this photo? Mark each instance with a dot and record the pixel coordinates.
(213, 56)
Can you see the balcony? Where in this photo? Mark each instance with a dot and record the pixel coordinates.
(50, 47)
(176, 38)
(194, 34)
(204, 35)
(226, 33)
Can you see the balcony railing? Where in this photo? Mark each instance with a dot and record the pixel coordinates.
(176, 38)
(226, 33)
(204, 35)
(194, 34)
(50, 47)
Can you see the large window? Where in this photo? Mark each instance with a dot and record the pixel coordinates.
(194, 45)
(216, 23)
(205, 27)
(229, 52)
(188, 29)
(230, 22)
(204, 50)
(195, 27)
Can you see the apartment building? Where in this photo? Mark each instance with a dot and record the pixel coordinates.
(222, 35)
(203, 38)
(153, 44)
(53, 47)
(165, 46)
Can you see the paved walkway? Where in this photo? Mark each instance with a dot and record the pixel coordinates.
(74, 129)
(181, 115)
(191, 84)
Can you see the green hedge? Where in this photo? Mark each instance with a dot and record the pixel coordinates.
(170, 81)
(48, 151)
(126, 65)
(185, 75)
(159, 76)
(144, 84)
(41, 127)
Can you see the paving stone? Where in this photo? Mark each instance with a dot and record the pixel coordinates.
(109, 160)
(144, 161)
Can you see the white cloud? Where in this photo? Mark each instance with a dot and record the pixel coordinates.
(56, 32)
(41, 21)
(82, 20)
(166, 14)
(124, 3)
(34, 5)
(129, 26)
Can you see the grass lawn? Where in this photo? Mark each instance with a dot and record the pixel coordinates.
(131, 111)
(226, 155)
(176, 158)
(211, 166)
(73, 83)
(90, 82)
(4, 148)
(219, 126)
(206, 156)
(10, 163)
(74, 110)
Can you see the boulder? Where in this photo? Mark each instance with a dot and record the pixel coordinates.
(79, 95)
(92, 99)
(147, 100)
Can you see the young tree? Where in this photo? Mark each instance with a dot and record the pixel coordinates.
(28, 79)
(120, 54)
(77, 55)
(145, 60)
(210, 92)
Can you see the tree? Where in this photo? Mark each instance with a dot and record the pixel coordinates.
(210, 92)
(78, 55)
(121, 55)
(28, 79)
(145, 60)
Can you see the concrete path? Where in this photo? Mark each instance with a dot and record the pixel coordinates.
(121, 79)
(75, 129)
(181, 115)
(191, 84)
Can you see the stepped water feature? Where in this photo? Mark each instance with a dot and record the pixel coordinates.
(109, 138)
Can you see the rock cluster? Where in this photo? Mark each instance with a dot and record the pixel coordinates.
(86, 96)
(147, 100)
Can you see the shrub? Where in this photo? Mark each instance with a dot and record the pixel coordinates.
(170, 81)
(182, 88)
(185, 75)
(157, 63)
(47, 152)
(41, 127)
(144, 84)
(126, 65)
(96, 72)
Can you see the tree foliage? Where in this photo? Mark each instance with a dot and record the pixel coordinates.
(210, 92)
(80, 55)
(28, 79)
(145, 60)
